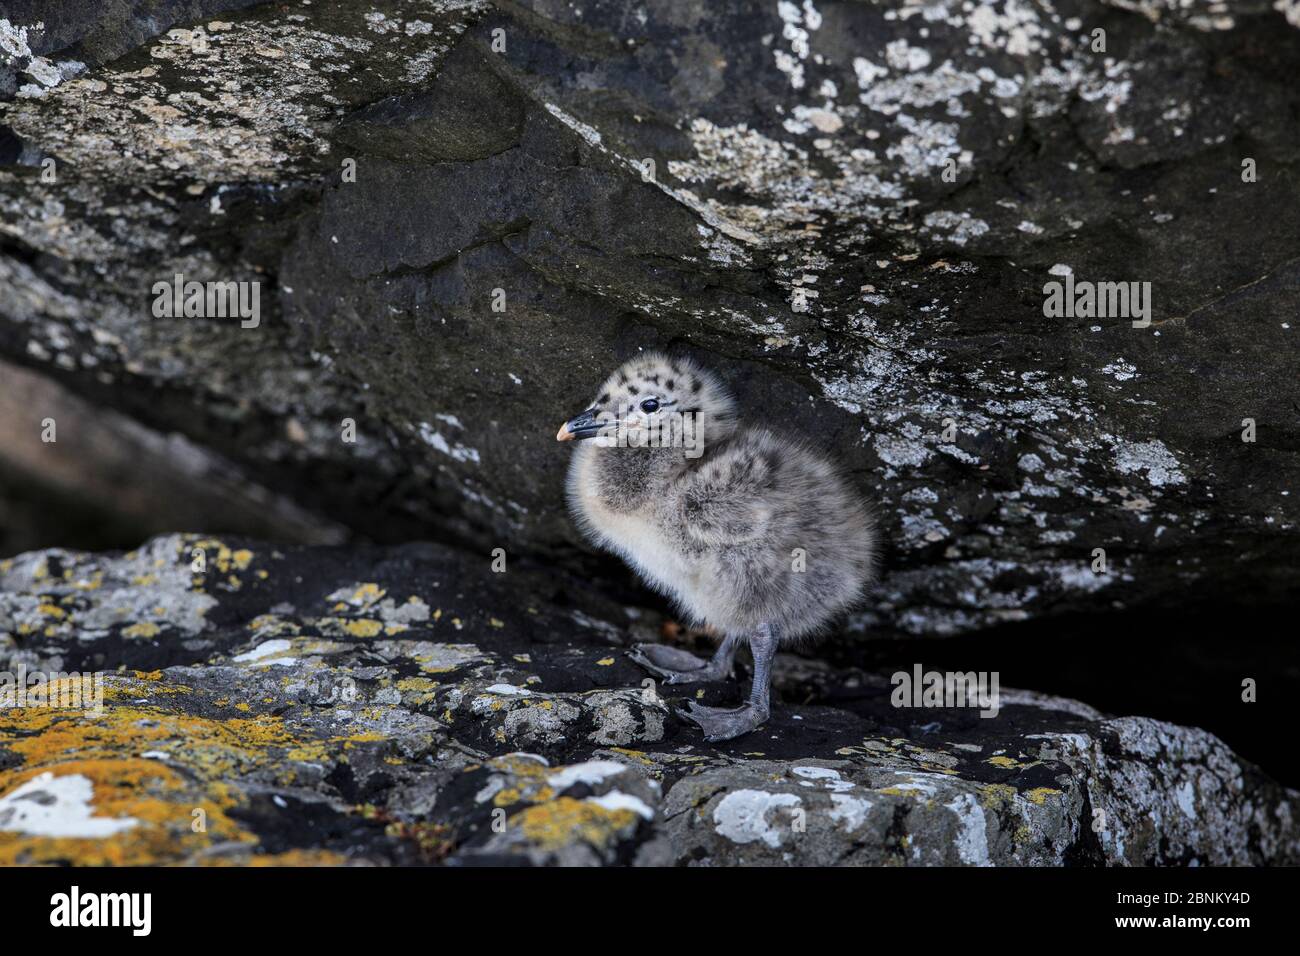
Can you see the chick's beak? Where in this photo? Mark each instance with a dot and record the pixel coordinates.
(579, 427)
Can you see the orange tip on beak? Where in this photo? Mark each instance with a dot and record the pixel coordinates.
(564, 434)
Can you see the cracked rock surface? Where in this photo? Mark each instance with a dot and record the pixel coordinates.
(403, 706)
(850, 209)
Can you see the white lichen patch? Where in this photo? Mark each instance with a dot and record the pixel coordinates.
(1120, 370)
(13, 40)
(972, 844)
(624, 717)
(58, 806)
(616, 800)
(750, 816)
(825, 778)
(1150, 459)
(955, 227)
(797, 21)
(722, 250)
(16, 52)
(434, 439)
(849, 811)
(590, 773)
(1013, 27)
(899, 452)
(267, 652)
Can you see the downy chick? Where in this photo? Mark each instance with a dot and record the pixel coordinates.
(753, 535)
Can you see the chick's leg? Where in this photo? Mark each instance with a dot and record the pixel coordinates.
(676, 666)
(721, 724)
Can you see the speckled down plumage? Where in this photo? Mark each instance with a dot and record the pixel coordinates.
(759, 528)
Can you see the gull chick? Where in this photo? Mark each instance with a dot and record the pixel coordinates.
(753, 535)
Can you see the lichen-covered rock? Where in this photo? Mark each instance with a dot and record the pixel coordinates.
(851, 209)
(213, 701)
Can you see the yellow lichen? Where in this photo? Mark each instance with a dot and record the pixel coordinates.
(160, 800)
(416, 684)
(996, 794)
(1039, 795)
(566, 821)
(363, 627)
(367, 594)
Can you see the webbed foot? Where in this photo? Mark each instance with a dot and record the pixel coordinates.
(719, 723)
(676, 666)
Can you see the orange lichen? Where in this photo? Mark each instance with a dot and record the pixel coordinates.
(562, 823)
(160, 800)
(197, 759)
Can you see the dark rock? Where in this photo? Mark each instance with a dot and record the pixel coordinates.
(796, 231)
(332, 705)
(87, 31)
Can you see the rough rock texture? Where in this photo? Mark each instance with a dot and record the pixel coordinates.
(460, 215)
(793, 226)
(330, 705)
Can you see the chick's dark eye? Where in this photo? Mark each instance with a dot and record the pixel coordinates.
(650, 405)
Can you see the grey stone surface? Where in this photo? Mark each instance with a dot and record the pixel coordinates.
(351, 705)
